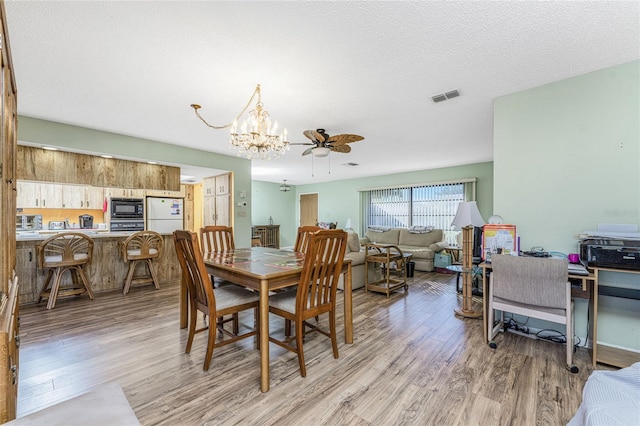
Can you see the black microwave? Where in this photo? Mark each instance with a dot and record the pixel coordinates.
(127, 208)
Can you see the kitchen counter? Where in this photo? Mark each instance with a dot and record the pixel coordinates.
(107, 270)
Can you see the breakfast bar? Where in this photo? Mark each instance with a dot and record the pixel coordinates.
(106, 272)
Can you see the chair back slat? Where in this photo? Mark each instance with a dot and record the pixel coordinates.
(194, 271)
(216, 239)
(322, 267)
(302, 239)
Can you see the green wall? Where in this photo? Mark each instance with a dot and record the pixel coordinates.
(44, 132)
(340, 200)
(566, 158)
(269, 201)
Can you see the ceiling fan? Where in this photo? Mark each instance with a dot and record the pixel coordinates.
(323, 144)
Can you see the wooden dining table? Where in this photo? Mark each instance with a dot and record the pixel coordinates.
(265, 270)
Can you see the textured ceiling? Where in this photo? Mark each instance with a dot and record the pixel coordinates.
(367, 68)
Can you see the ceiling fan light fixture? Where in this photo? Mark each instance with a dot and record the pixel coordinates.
(320, 151)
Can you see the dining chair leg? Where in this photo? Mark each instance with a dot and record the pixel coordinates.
(299, 347)
(129, 277)
(85, 282)
(193, 314)
(332, 331)
(210, 345)
(287, 328)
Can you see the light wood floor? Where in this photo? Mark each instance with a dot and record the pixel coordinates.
(412, 363)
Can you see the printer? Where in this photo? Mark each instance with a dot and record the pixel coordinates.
(611, 253)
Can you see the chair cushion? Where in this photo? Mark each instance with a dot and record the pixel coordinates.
(233, 295)
(58, 257)
(285, 300)
(138, 252)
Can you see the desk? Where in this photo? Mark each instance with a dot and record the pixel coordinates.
(599, 353)
(266, 269)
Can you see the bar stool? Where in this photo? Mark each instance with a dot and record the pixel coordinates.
(142, 247)
(66, 251)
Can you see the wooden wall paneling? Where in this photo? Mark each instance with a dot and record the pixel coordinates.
(37, 164)
(9, 355)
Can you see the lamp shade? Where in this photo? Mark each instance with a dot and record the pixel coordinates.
(467, 215)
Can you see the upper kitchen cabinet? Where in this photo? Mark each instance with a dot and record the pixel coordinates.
(124, 193)
(217, 200)
(82, 197)
(39, 195)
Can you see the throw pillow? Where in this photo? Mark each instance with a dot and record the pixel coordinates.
(353, 241)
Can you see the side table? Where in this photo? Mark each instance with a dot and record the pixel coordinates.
(476, 274)
(386, 254)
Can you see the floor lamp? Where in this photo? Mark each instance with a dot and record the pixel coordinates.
(466, 218)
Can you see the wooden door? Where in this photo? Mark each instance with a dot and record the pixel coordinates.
(209, 210)
(308, 209)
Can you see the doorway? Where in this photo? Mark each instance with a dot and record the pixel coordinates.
(308, 209)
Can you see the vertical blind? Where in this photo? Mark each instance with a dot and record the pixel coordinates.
(423, 205)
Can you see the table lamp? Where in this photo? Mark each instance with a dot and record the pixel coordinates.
(466, 218)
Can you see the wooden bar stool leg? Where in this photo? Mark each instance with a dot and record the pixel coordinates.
(127, 280)
(46, 285)
(154, 274)
(85, 282)
(53, 295)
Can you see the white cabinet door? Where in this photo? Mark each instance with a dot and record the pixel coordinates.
(209, 208)
(222, 184)
(28, 195)
(93, 197)
(51, 196)
(222, 210)
(73, 196)
(209, 186)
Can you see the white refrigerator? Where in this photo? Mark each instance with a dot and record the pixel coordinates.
(164, 215)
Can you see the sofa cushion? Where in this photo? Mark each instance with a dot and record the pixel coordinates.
(407, 238)
(353, 241)
(418, 252)
(357, 257)
(386, 237)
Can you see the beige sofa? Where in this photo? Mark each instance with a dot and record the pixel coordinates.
(422, 246)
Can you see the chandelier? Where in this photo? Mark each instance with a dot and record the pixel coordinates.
(284, 187)
(258, 137)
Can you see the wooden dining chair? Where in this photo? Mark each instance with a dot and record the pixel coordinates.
(316, 292)
(214, 303)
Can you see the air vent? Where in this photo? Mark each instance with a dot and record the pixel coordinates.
(351, 164)
(441, 97)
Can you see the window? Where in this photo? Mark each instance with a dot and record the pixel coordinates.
(421, 205)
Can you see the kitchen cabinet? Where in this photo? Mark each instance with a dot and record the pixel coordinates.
(27, 268)
(39, 195)
(124, 193)
(217, 200)
(166, 194)
(82, 197)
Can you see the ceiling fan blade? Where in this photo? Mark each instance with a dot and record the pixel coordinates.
(314, 136)
(308, 151)
(345, 138)
(306, 143)
(340, 148)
